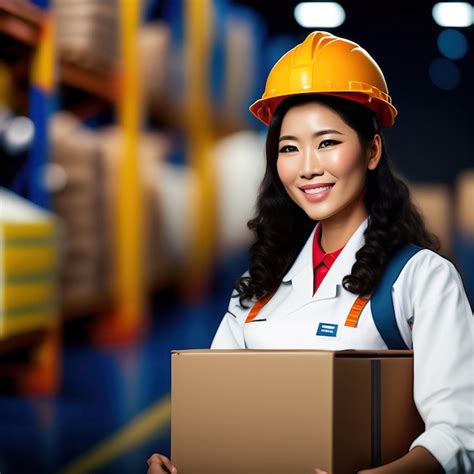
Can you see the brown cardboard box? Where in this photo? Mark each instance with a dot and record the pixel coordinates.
(289, 411)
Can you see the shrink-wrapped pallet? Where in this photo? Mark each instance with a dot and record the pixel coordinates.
(29, 257)
(240, 166)
(238, 163)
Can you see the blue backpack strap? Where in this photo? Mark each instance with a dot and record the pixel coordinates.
(381, 302)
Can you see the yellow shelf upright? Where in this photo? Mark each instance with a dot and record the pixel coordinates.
(202, 212)
(130, 317)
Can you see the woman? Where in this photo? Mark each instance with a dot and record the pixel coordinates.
(331, 215)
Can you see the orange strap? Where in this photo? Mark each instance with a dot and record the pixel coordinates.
(257, 307)
(351, 320)
(356, 310)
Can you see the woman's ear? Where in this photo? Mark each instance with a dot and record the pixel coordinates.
(375, 152)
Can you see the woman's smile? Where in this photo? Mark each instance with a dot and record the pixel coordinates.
(317, 192)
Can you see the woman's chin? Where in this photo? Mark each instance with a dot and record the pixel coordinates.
(319, 214)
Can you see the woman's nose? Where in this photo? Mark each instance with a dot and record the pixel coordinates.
(311, 164)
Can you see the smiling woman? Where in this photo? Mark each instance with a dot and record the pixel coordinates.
(317, 141)
(332, 222)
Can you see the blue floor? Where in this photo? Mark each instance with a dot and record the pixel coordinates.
(105, 389)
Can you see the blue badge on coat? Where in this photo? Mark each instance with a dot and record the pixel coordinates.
(327, 329)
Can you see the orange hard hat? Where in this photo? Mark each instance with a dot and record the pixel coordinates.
(326, 64)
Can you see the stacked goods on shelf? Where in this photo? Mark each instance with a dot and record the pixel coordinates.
(464, 244)
(435, 203)
(239, 165)
(177, 187)
(236, 66)
(87, 33)
(153, 45)
(169, 191)
(87, 204)
(29, 238)
(465, 201)
(152, 150)
(239, 162)
(75, 151)
(242, 38)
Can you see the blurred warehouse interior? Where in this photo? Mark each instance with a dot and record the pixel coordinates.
(130, 164)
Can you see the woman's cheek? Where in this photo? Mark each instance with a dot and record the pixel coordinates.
(340, 165)
(287, 170)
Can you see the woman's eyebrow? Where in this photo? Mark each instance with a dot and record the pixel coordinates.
(316, 134)
(287, 137)
(325, 132)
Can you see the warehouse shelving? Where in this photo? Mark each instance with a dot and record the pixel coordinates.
(22, 29)
(21, 25)
(21, 21)
(38, 350)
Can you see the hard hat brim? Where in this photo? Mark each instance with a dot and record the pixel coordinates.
(385, 112)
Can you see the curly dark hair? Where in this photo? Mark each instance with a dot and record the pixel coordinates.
(281, 227)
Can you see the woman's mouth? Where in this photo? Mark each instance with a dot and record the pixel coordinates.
(318, 193)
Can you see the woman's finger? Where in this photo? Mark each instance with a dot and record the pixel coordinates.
(163, 461)
(320, 471)
(156, 468)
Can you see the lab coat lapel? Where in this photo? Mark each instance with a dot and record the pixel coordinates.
(301, 273)
(342, 266)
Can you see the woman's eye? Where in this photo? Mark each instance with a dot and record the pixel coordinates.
(326, 143)
(288, 149)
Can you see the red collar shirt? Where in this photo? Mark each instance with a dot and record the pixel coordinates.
(322, 261)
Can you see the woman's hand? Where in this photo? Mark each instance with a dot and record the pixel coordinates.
(159, 464)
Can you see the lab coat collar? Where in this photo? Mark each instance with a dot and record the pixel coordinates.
(302, 258)
(301, 273)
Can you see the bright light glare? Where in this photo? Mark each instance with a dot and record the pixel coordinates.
(19, 134)
(454, 14)
(319, 14)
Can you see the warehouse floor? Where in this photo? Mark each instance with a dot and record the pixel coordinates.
(114, 408)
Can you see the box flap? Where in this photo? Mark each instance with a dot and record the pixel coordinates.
(374, 353)
(250, 351)
(342, 353)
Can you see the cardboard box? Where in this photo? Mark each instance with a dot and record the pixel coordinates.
(289, 411)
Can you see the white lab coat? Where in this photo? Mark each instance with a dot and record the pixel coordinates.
(433, 316)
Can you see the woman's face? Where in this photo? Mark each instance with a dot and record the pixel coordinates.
(321, 162)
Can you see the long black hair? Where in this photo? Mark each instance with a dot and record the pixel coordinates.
(281, 227)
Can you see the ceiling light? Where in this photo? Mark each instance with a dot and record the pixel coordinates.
(319, 14)
(452, 14)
